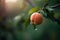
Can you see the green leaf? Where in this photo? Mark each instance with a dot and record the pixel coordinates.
(35, 9)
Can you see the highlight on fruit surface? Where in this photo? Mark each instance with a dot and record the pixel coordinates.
(36, 18)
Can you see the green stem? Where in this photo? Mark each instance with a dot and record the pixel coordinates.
(34, 26)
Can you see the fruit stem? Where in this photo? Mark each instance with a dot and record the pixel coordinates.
(34, 27)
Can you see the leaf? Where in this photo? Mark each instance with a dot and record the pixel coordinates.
(46, 1)
(33, 10)
(18, 20)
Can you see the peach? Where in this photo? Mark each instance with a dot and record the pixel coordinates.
(36, 18)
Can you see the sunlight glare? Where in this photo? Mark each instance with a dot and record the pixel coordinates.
(7, 1)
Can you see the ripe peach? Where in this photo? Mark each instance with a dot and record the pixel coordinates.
(36, 18)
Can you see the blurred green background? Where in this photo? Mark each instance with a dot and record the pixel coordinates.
(12, 28)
